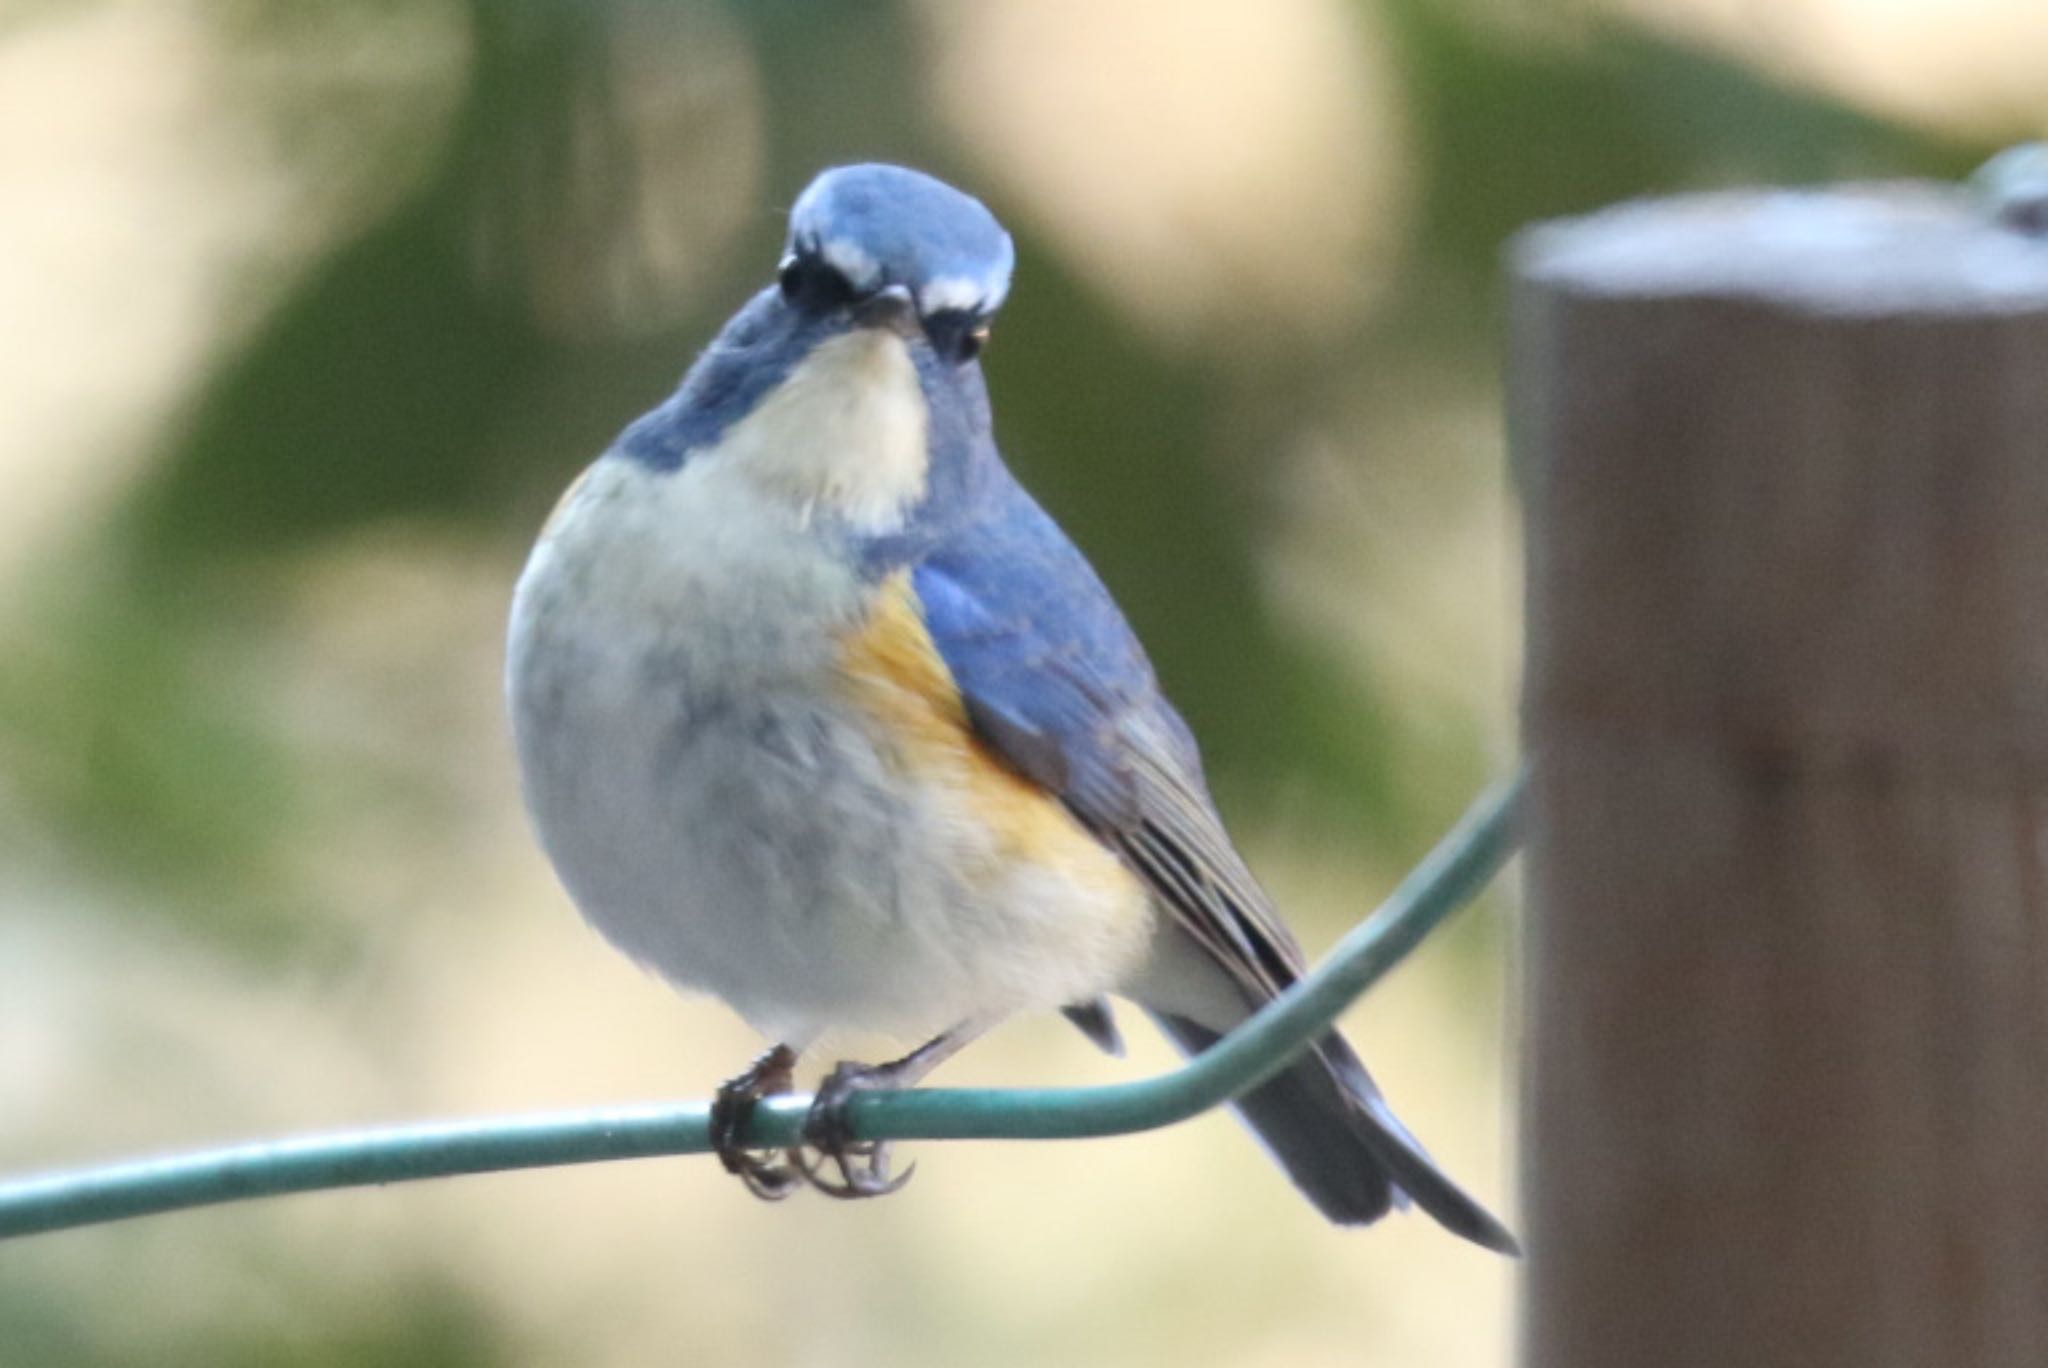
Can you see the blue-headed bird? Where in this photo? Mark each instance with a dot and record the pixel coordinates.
(817, 710)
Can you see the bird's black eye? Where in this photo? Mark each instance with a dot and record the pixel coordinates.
(957, 335)
(812, 285)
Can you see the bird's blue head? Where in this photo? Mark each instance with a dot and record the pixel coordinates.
(851, 389)
(861, 232)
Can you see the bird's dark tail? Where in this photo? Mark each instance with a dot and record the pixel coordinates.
(1328, 1126)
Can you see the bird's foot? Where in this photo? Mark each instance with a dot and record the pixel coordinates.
(863, 1165)
(767, 1176)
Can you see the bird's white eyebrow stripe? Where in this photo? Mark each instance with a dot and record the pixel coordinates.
(851, 260)
(862, 271)
(957, 292)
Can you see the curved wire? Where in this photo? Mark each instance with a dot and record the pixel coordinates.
(1462, 864)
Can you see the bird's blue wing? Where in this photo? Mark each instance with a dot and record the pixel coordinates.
(1057, 685)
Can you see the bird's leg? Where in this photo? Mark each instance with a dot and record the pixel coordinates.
(864, 1164)
(733, 1108)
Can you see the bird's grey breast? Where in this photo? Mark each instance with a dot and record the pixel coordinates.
(688, 762)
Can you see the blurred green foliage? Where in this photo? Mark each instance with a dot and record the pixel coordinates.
(437, 1325)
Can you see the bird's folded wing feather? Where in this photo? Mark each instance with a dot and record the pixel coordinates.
(1058, 687)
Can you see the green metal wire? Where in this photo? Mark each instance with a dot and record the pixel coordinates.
(1462, 864)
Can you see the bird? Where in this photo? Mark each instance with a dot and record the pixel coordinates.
(818, 711)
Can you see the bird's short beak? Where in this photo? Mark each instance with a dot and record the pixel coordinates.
(890, 307)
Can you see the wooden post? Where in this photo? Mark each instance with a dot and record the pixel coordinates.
(1786, 466)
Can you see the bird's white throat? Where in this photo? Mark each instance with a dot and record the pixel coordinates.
(844, 434)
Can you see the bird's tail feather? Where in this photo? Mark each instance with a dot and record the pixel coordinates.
(1325, 1122)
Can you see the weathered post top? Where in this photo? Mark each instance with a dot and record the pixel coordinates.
(1785, 457)
(1862, 250)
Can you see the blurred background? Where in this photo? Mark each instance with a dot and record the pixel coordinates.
(310, 309)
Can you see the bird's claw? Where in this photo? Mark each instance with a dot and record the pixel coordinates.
(766, 1176)
(863, 1171)
(863, 1165)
